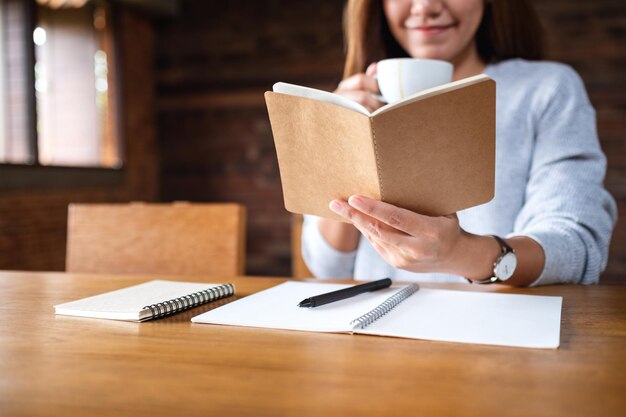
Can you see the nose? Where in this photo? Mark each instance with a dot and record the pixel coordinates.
(426, 8)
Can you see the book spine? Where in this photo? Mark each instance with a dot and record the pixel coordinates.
(384, 308)
(379, 171)
(188, 301)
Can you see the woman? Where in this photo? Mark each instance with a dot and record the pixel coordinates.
(551, 219)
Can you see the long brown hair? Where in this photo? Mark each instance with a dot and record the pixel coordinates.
(509, 29)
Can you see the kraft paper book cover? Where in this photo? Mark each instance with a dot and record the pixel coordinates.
(433, 152)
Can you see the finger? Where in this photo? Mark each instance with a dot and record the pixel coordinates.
(359, 82)
(398, 218)
(372, 69)
(372, 229)
(381, 249)
(396, 247)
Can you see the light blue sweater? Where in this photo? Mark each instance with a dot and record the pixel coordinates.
(549, 184)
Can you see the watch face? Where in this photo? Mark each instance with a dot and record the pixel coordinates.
(506, 266)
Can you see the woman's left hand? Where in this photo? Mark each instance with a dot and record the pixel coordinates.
(405, 239)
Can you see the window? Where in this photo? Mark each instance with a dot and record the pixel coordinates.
(15, 143)
(57, 83)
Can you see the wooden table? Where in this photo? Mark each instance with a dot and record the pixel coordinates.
(70, 366)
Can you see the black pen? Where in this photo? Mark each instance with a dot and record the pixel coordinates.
(333, 296)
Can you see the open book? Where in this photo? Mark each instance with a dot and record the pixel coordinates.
(408, 312)
(146, 301)
(432, 152)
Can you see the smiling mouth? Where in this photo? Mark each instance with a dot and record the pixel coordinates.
(432, 29)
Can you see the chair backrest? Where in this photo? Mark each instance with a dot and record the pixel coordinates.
(298, 267)
(156, 239)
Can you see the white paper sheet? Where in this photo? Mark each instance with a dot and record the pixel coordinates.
(475, 317)
(277, 308)
(443, 315)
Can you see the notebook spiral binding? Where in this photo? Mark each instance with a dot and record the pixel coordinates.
(388, 305)
(188, 301)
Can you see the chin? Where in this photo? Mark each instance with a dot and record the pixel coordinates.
(430, 53)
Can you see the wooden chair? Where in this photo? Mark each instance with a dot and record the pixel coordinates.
(156, 239)
(298, 267)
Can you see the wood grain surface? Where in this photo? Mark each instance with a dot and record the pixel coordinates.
(149, 238)
(68, 366)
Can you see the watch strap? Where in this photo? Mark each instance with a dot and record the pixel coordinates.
(504, 249)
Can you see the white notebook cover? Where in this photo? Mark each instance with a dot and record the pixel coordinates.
(127, 303)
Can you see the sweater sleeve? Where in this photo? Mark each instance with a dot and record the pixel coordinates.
(324, 261)
(567, 209)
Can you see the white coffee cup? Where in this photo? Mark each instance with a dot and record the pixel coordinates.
(402, 77)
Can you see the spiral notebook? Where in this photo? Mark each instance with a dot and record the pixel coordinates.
(146, 301)
(407, 312)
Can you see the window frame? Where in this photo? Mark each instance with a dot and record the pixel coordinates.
(31, 175)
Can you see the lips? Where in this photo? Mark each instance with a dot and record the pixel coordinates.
(431, 29)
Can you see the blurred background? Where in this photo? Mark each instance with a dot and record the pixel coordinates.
(162, 100)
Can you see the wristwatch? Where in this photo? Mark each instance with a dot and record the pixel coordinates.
(504, 266)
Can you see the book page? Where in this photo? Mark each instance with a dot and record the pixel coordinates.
(277, 308)
(325, 96)
(421, 95)
(320, 95)
(127, 303)
(474, 317)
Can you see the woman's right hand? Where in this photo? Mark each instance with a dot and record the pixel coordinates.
(362, 88)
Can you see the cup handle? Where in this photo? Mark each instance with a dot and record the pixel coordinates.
(379, 97)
